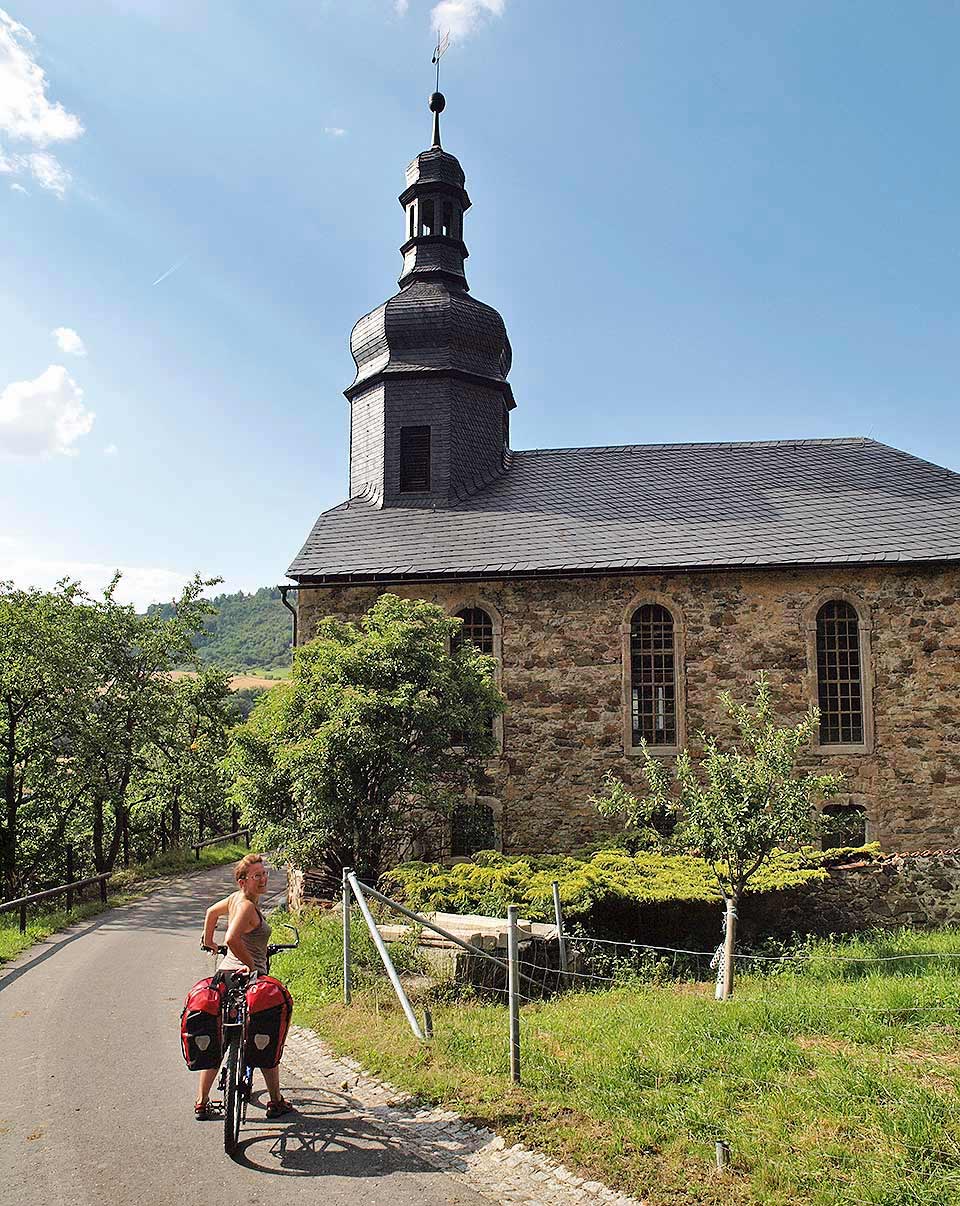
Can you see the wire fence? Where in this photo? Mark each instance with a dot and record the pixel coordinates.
(857, 1048)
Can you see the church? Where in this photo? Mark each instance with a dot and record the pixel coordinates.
(620, 589)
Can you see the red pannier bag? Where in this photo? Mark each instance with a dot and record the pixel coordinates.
(201, 1024)
(269, 1009)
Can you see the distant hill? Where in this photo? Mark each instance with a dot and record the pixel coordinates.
(248, 632)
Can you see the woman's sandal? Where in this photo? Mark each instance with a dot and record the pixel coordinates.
(275, 1109)
(202, 1111)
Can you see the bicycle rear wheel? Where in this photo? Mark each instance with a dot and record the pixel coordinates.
(233, 1099)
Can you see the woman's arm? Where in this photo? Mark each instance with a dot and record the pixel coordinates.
(244, 920)
(212, 918)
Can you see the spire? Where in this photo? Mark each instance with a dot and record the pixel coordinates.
(438, 102)
(434, 203)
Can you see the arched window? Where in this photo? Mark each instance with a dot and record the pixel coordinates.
(477, 628)
(843, 825)
(839, 674)
(653, 677)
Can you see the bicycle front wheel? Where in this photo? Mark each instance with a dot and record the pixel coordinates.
(233, 1103)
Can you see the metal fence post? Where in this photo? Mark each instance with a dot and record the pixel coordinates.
(387, 961)
(513, 992)
(729, 939)
(561, 940)
(346, 935)
(69, 877)
(23, 918)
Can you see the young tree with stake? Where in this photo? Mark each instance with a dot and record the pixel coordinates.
(734, 807)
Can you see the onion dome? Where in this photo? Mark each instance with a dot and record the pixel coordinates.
(433, 324)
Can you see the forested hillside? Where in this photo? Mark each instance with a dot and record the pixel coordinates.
(248, 632)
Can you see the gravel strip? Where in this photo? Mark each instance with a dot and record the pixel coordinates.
(442, 1138)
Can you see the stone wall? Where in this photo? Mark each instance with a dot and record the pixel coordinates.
(919, 890)
(562, 676)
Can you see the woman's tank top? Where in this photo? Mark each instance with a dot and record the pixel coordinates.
(255, 944)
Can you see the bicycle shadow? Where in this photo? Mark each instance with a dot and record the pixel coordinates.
(324, 1139)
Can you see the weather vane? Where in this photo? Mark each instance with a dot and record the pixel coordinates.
(437, 103)
(443, 41)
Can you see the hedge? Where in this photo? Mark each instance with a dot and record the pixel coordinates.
(490, 881)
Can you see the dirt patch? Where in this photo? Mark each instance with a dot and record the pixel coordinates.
(239, 682)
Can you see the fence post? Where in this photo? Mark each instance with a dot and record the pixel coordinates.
(346, 935)
(729, 938)
(69, 877)
(23, 919)
(387, 961)
(513, 992)
(246, 837)
(103, 890)
(561, 940)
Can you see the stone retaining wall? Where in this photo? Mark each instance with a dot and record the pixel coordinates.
(906, 889)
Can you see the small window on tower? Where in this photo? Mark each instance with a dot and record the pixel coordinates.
(447, 230)
(414, 459)
(413, 219)
(506, 428)
(426, 218)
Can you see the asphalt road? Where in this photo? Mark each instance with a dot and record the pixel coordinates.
(96, 1104)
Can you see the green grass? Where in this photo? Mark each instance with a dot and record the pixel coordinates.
(124, 886)
(833, 1082)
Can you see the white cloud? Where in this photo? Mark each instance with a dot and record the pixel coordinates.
(400, 7)
(111, 450)
(43, 417)
(140, 585)
(460, 18)
(49, 172)
(69, 341)
(334, 131)
(27, 115)
(18, 188)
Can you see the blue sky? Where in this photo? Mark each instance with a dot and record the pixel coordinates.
(699, 221)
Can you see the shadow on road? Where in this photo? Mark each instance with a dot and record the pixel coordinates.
(324, 1140)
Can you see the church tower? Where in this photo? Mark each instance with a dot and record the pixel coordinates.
(430, 403)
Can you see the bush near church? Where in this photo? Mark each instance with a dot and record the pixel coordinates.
(646, 896)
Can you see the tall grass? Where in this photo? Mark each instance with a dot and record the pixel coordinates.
(833, 1077)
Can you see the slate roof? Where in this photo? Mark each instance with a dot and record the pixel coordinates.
(657, 506)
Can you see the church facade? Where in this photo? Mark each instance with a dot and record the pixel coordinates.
(620, 589)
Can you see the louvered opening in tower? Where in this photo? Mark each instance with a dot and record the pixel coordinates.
(414, 459)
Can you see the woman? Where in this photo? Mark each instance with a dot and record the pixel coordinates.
(247, 936)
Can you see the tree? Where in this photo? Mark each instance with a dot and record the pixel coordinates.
(355, 754)
(127, 712)
(182, 774)
(734, 807)
(42, 673)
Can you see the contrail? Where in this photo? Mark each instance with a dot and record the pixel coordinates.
(170, 271)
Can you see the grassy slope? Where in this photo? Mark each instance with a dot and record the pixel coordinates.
(836, 1083)
(123, 887)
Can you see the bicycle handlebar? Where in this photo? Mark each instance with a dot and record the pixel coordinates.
(273, 949)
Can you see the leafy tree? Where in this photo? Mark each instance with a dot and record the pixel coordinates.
(354, 755)
(182, 774)
(736, 806)
(42, 676)
(127, 712)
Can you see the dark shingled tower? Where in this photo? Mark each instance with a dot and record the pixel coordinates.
(430, 402)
